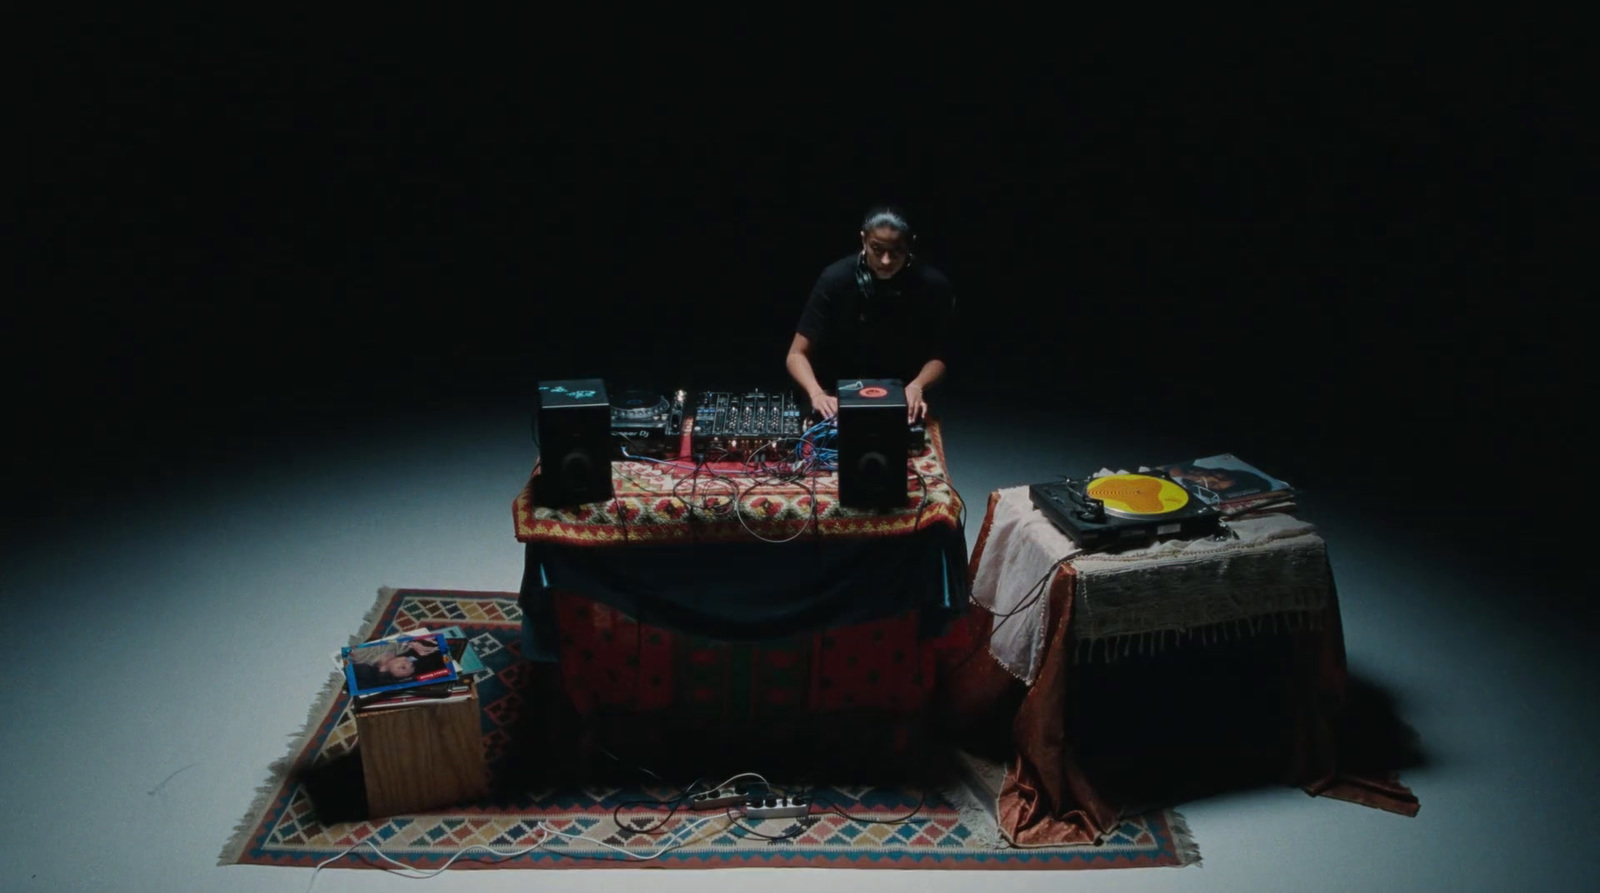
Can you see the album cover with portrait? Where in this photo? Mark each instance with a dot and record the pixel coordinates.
(397, 663)
(1223, 479)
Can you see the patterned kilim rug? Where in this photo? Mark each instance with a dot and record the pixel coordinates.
(296, 822)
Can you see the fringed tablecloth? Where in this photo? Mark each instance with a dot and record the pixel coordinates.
(747, 556)
(1048, 608)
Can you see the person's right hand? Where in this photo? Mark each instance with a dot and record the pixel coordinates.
(824, 404)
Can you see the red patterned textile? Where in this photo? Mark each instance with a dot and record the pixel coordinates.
(611, 663)
(668, 503)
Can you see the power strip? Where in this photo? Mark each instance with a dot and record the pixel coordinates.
(776, 807)
(721, 798)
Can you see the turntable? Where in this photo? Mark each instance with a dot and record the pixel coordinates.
(1123, 510)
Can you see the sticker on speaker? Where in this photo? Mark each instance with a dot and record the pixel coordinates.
(874, 392)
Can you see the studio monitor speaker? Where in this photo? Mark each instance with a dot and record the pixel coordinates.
(573, 427)
(872, 444)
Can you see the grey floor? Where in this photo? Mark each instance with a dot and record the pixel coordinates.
(170, 633)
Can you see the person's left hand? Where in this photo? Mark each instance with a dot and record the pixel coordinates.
(420, 646)
(916, 407)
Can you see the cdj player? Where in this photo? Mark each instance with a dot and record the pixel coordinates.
(646, 423)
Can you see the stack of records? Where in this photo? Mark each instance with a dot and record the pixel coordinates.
(1232, 486)
(410, 669)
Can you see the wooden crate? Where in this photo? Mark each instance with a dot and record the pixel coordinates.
(423, 756)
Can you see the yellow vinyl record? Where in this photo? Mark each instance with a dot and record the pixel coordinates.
(1137, 495)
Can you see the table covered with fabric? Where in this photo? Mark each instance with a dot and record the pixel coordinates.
(1052, 616)
(735, 591)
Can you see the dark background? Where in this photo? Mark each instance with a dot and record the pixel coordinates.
(1297, 244)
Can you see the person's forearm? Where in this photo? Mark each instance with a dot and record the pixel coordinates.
(800, 370)
(932, 371)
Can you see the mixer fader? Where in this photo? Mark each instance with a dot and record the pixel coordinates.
(729, 424)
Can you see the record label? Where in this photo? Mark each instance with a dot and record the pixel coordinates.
(1137, 495)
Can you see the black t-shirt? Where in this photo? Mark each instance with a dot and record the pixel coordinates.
(892, 332)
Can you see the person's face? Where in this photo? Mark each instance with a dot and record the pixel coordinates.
(398, 666)
(887, 251)
(1211, 479)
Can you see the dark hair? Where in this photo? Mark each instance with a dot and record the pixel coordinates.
(369, 676)
(890, 216)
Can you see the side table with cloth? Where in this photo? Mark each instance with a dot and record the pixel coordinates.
(1062, 611)
(743, 595)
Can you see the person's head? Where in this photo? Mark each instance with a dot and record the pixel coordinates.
(386, 673)
(1219, 480)
(886, 241)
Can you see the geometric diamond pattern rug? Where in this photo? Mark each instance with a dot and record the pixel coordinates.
(628, 825)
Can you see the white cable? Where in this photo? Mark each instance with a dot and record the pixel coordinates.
(672, 841)
(743, 775)
(419, 874)
(548, 831)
